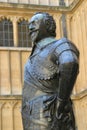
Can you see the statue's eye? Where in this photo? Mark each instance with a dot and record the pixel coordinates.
(31, 23)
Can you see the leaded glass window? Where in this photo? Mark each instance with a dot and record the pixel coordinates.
(6, 33)
(23, 35)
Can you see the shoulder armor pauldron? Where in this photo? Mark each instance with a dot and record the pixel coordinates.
(66, 46)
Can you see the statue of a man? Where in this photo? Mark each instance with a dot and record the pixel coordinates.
(49, 77)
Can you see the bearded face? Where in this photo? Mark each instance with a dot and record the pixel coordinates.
(37, 28)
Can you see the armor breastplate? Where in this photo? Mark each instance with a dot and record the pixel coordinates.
(42, 65)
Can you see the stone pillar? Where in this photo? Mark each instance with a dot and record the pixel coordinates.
(68, 21)
(64, 25)
(57, 18)
(15, 32)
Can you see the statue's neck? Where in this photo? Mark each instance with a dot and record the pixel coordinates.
(45, 41)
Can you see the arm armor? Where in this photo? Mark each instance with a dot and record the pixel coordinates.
(68, 56)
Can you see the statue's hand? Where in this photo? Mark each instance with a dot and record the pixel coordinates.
(62, 109)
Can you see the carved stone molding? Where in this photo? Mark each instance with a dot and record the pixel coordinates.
(21, 19)
(10, 104)
(2, 17)
(13, 18)
(41, 7)
(79, 95)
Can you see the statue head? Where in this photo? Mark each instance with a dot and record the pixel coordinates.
(41, 25)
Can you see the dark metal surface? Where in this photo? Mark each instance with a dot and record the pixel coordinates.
(49, 77)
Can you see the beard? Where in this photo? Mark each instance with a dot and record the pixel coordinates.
(38, 34)
(34, 35)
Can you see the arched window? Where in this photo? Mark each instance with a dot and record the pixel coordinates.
(23, 35)
(6, 33)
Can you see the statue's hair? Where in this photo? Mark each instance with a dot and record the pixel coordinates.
(49, 22)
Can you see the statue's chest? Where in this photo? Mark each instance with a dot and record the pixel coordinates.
(43, 64)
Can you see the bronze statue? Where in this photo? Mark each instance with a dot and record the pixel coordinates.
(49, 77)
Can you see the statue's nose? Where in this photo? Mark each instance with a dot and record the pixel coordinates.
(31, 27)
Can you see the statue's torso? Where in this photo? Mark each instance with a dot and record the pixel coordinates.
(41, 69)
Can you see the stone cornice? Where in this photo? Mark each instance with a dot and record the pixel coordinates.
(77, 96)
(10, 97)
(14, 6)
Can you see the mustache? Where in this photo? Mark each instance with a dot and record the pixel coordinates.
(30, 32)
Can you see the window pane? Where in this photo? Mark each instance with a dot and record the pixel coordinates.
(24, 39)
(6, 33)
